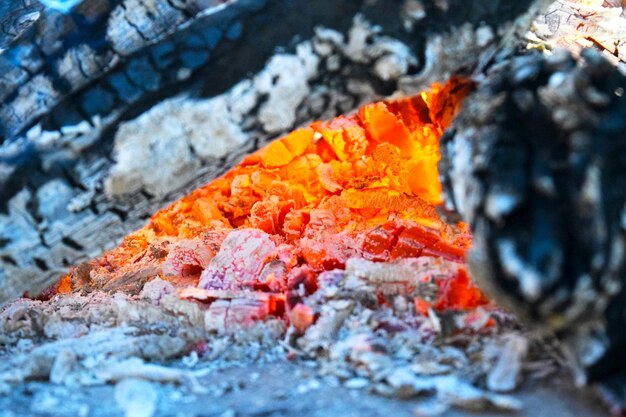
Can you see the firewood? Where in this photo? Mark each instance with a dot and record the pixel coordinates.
(535, 163)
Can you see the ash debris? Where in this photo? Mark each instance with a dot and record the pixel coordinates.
(366, 334)
(86, 340)
(451, 358)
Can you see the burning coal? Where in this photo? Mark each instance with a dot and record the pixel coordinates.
(359, 187)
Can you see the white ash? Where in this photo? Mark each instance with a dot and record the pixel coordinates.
(389, 349)
(136, 397)
(508, 355)
(155, 290)
(397, 353)
(284, 81)
(390, 57)
(100, 332)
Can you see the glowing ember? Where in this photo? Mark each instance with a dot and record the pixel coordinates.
(360, 186)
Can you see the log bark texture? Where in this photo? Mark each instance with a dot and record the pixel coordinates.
(69, 80)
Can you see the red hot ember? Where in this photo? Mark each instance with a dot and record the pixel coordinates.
(255, 242)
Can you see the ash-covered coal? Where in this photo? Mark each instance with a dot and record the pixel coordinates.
(536, 164)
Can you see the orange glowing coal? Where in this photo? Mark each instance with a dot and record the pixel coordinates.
(358, 186)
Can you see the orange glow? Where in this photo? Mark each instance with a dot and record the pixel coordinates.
(363, 185)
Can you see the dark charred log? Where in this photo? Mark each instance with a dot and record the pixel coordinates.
(536, 163)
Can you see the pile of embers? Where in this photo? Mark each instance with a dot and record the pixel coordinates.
(326, 244)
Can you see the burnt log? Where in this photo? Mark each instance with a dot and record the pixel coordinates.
(76, 85)
(536, 163)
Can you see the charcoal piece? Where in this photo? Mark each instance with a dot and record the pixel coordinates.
(536, 164)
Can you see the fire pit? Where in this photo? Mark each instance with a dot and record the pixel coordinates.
(328, 260)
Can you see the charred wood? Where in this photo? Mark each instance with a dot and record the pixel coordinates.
(535, 162)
